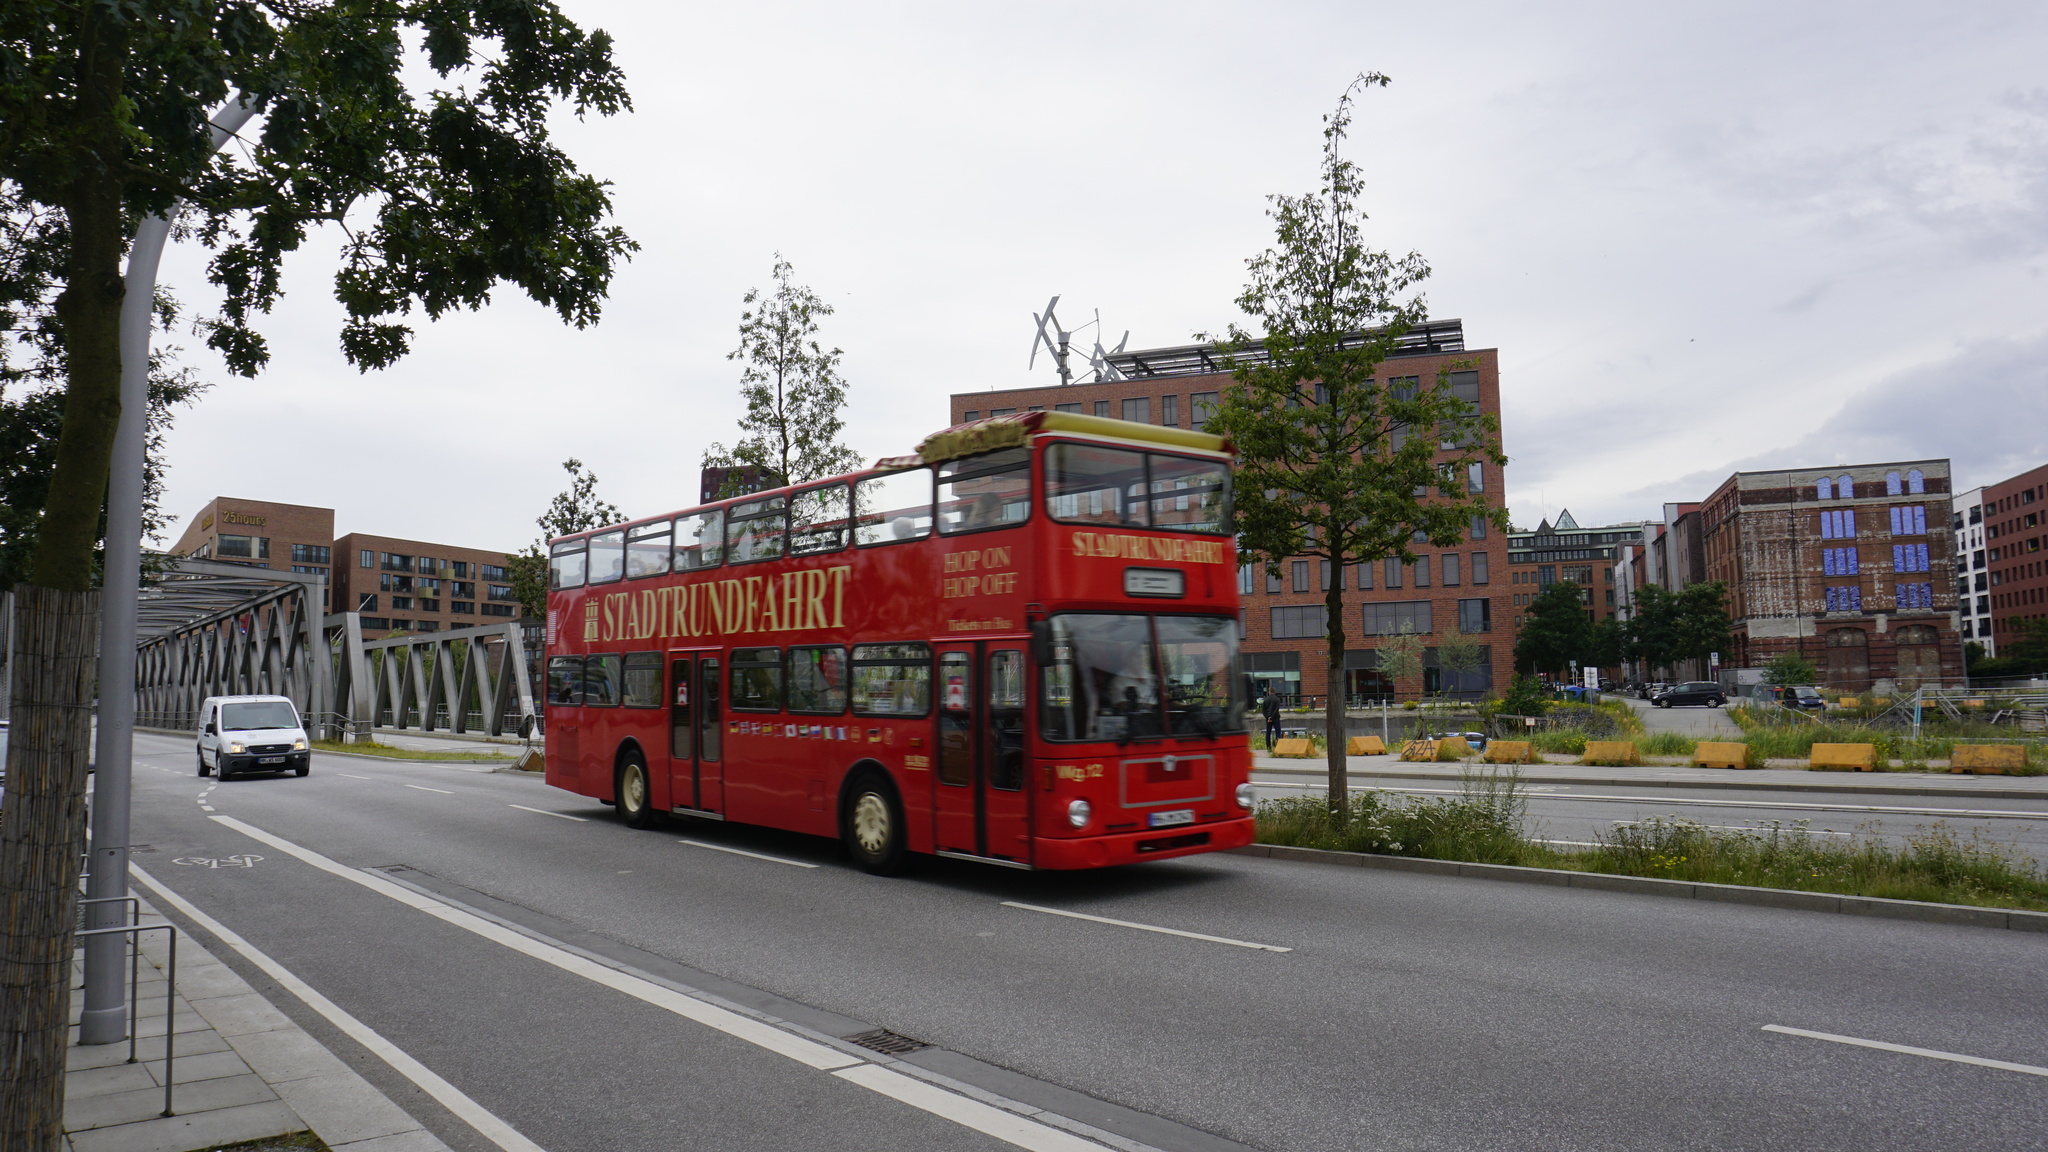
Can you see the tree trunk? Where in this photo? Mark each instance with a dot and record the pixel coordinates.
(42, 833)
(1333, 704)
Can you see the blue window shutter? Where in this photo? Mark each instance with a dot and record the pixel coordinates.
(1920, 519)
(1831, 600)
(1899, 557)
(1856, 598)
(1827, 561)
(1854, 560)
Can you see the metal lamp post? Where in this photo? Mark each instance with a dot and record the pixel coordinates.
(104, 1018)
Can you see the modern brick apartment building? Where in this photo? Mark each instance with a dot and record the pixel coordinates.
(1852, 567)
(399, 585)
(2016, 550)
(1566, 551)
(1447, 592)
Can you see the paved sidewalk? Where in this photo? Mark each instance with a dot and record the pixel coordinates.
(241, 1071)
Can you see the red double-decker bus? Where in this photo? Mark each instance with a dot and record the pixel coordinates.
(1018, 646)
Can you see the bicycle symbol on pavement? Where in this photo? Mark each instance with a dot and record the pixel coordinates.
(239, 860)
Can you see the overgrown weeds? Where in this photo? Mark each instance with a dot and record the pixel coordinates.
(371, 748)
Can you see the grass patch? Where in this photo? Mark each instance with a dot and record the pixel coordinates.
(1564, 741)
(1667, 744)
(296, 1142)
(390, 753)
(1485, 824)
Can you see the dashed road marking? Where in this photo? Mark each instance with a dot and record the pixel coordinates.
(424, 788)
(1930, 1053)
(1146, 927)
(545, 812)
(744, 852)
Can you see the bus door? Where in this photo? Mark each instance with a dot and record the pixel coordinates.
(981, 808)
(696, 732)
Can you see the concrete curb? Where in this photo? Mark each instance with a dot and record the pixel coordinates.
(1867, 789)
(1682, 889)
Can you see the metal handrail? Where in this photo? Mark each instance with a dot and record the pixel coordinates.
(135, 988)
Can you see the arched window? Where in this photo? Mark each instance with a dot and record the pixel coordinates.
(1847, 638)
(1845, 488)
(1915, 634)
(1825, 490)
(1916, 481)
(1892, 487)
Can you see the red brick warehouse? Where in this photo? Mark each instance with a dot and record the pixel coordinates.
(1446, 592)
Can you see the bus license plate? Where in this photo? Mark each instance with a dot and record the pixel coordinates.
(1169, 819)
(270, 759)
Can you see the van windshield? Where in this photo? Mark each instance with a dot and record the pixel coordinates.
(258, 715)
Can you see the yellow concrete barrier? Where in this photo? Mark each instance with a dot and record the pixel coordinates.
(1365, 746)
(1721, 754)
(1610, 752)
(1860, 757)
(1296, 746)
(1848, 701)
(1510, 752)
(1419, 750)
(1453, 748)
(1988, 759)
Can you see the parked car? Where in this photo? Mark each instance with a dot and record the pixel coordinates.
(1803, 696)
(239, 734)
(1693, 692)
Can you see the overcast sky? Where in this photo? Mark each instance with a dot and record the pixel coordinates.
(1702, 237)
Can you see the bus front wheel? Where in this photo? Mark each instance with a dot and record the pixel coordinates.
(871, 824)
(635, 801)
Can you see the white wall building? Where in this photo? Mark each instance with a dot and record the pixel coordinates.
(1973, 600)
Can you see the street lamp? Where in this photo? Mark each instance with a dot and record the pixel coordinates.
(104, 1017)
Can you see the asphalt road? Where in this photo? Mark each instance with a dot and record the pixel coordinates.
(1408, 1012)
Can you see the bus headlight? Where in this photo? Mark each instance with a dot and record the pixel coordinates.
(1245, 795)
(1078, 813)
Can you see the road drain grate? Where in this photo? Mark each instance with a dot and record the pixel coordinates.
(884, 1041)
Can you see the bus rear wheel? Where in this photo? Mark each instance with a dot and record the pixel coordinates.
(871, 825)
(635, 801)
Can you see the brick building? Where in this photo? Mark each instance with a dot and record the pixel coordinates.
(1852, 567)
(397, 584)
(2015, 539)
(1566, 551)
(1447, 592)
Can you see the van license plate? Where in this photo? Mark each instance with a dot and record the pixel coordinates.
(1169, 819)
(270, 759)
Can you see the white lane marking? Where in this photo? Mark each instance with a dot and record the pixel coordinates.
(1909, 811)
(1014, 1129)
(732, 1023)
(985, 1118)
(545, 812)
(424, 788)
(1146, 927)
(1931, 1053)
(450, 1097)
(353, 776)
(206, 807)
(744, 852)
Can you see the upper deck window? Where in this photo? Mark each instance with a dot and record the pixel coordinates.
(991, 490)
(647, 550)
(607, 557)
(700, 540)
(755, 530)
(1092, 484)
(817, 521)
(893, 506)
(568, 564)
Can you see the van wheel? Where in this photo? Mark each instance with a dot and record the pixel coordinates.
(203, 769)
(636, 805)
(871, 825)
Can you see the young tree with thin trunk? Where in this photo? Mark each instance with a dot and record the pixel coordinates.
(577, 508)
(443, 195)
(792, 387)
(1333, 462)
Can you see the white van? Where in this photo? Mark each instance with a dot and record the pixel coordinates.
(252, 734)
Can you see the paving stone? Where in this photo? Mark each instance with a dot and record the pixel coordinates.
(233, 1016)
(109, 1080)
(202, 1066)
(341, 1107)
(129, 1107)
(286, 1054)
(187, 1131)
(419, 1140)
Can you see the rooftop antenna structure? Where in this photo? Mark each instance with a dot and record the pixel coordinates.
(1058, 343)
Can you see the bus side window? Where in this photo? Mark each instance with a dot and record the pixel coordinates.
(707, 681)
(817, 520)
(1006, 719)
(956, 719)
(700, 540)
(757, 679)
(565, 680)
(893, 506)
(601, 681)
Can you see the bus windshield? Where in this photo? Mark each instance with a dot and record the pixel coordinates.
(1128, 677)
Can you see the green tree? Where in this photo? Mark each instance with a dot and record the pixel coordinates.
(1607, 645)
(1332, 462)
(1399, 657)
(577, 508)
(1555, 630)
(1702, 624)
(1789, 670)
(792, 387)
(104, 113)
(1459, 653)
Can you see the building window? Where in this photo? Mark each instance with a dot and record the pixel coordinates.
(428, 564)
(1324, 584)
(1393, 571)
(1479, 567)
(430, 606)
(491, 572)
(1300, 621)
(1893, 486)
(1138, 410)
(970, 416)
(1909, 558)
(1838, 525)
(497, 609)
(1479, 527)
(462, 607)
(463, 588)
(368, 559)
(401, 603)
(1845, 599)
(1845, 488)
(501, 593)
(1364, 576)
(1916, 482)
(367, 602)
(995, 412)
(1838, 562)
(1244, 579)
(1450, 569)
(310, 553)
(1102, 407)
(1825, 489)
(1201, 406)
(1169, 411)
(1475, 477)
(458, 568)
(1300, 575)
(1272, 581)
(1916, 595)
(1909, 520)
(1074, 408)
(246, 547)
(1475, 615)
(1397, 616)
